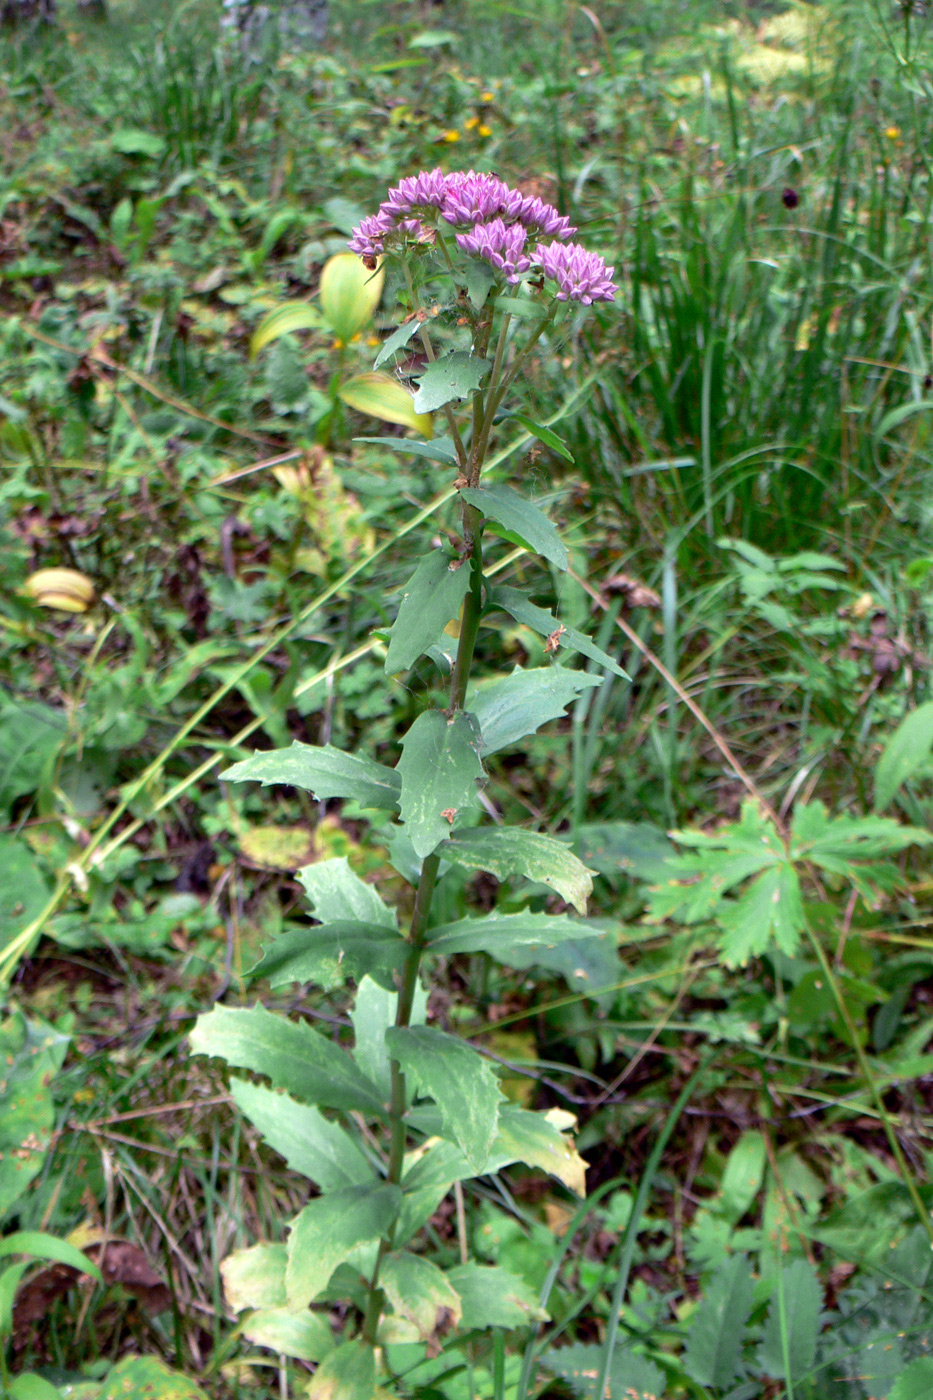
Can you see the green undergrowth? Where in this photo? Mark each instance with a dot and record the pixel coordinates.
(737, 462)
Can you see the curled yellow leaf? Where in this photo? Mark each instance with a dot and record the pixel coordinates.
(381, 396)
(64, 589)
(350, 293)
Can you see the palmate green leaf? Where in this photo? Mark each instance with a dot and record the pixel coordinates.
(422, 1294)
(717, 1328)
(502, 934)
(306, 1336)
(349, 1373)
(772, 906)
(329, 954)
(546, 625)
(440, 771)
(514, 706)
(631, 1377)
(492, 1297)
(509, 850)
(327, 1231)
(462, 1084)
(522, 523)
(724, 859)
(906, 752)
(817, 836)
(310, 1143)
(798, 1328)
(449, 378)
(325, 772)
(290, 1053)
(255, 1277)
(431, 599)
(336, 893)
(915, 1382)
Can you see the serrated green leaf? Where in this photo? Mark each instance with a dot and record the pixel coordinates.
(350, 293)
(492, 1297)
(324, 772)
(450, 377)
(284, 320)
(717, 1328)
(545, 435)
(289, 1053)
(537, 1140)
(310, 1143)
(631, 1376)
(522, 522)
(510, 708)
(795, 1327)
(381, 396)
(915, 1382)
(439, 450)
(509, 850)
(906, 751)
(349, 1373)
(335, 892)
(546, 625)
(772, 906)
(440, 770)
(305, 1336)
(327, 1231)
(327, 955)
(422, 1294)
(502, 934)
(815, 835)
(255, 1277)
(397, 340)
(462, 1084)
(431, 599)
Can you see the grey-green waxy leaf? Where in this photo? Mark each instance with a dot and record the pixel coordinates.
(431, 599)
(501, 934)
(440, 770)
(328, 1229)
(290, 1053)
(454, 376)
(349, 1373)
(337, 893)
(514, 706)
(372, 1015)
(509, 850)
(521, 522)
(795, 1326)
(397, 341)
(546, 625)
(310, 1143)
(437, 450)
(717, 1328)
(492, 1297)
(462, 1084)
(329, 954)
(906, 752)
(545, 435)
(324, 772)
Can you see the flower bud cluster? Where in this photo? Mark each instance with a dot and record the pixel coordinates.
(490, 221)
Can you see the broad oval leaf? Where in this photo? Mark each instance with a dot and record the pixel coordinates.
(422, 1294)
(522, 522)
(440, 770)
(509, 850)
(383, 397)
(325, 772)
(492, 1297)
(306, 1336)
(284, 320)
(350, 293)
(310, 1143)
(450, 378)
(462, 1084)
(328, 1229)
(501, 934)
(514, 706)
(432, 598)
(255, 1277)
(330, 953)
(907, 750)
(349, 1373)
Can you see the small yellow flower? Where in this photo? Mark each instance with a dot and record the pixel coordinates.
(451, 136)
(892, 132)
(470, 123)
(484, 130)
(486, 97)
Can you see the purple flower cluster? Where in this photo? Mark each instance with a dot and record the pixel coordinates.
(496, 223)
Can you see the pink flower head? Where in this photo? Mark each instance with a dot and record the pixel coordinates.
(369, 237)
(475, 199)
(542, 220)
(500, 244)
(580, 276)
(417, 194)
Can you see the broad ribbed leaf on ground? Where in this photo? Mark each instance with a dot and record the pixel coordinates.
(422, 1294)
(546, 625)
(325, 772)
(290, 1053)
(520, 521)
(462, 1084)
(327, 955)
(795, 1327)
(492, 1297)
(717, 1328)
(431, 599)
(440, 770)
(514, 706)
(631, 1376)
(349, 1373)
(500, 934)
(337, 893)
(328, 1229)
(451, 377)
(510, 850)
(310, 1143)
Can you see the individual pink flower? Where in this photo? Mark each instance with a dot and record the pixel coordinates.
(542, 220)
(417, 194)
(500, 244)
(580, 276)
(369, 237)
(473, 198)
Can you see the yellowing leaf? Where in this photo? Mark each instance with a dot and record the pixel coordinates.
(293, 316)
(278, 847)
(381, 396)
(350, 293)
(64, 589)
